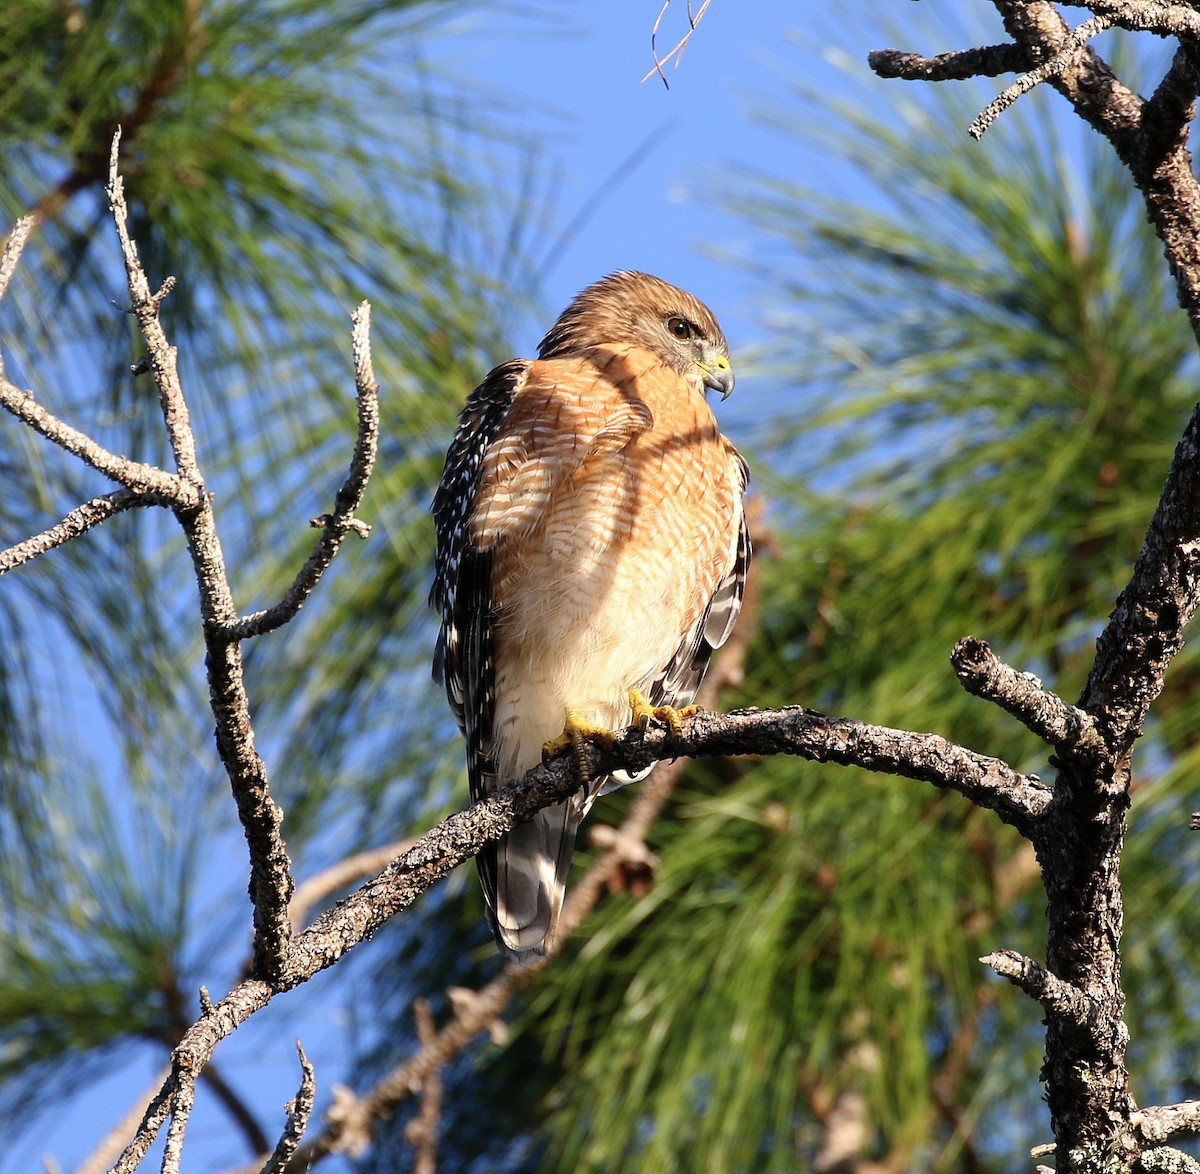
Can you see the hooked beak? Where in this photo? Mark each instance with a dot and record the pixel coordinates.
(718, 374)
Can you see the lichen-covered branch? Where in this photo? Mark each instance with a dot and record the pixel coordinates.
(1056, 722)
(270, 868)
(1078, 837)
(79, 521)
(335, 526)
(299, 1111)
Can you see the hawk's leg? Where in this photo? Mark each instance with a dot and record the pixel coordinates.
(644, 713)
(575, 733)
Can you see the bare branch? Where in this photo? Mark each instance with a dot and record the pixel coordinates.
(145, 307)
(299, 1112)
(986, 61)
(77, 522)
(134, 475)
(106, 1152)
(1162, 1122)
(1170, 109)
(342, 521)
(1150, 16)
(1146, 629)
(1022, 694)
(422, 1131)
(1038, 983)
(339, 876)
(181, 1112)
(12, 250)
(270, 867)
(1047, 69)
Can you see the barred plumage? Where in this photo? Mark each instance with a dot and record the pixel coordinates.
(591, 539)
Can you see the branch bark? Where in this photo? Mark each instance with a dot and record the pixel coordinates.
(1078, 837)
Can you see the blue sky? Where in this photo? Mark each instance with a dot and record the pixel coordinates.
(575, 74)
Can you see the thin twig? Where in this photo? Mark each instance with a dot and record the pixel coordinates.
(134, 475)
(181, 1112)
(299, 1111)
(146, 306)
(1049, 68)
(342, 521)
(77, 522)
(12, 250)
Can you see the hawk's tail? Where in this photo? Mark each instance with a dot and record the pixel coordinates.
(531, 864)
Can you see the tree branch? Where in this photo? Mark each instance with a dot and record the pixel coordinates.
(1023, 695)
(140, 478)
(77, 522)
(1163, 1122)
(1078, 838)
(299, 1112)
(337, 525)
(270, 868)
(1038, 983)
(986, 61)
(1051, 67)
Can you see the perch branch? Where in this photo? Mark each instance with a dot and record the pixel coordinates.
(1018, 799)
(338, 876)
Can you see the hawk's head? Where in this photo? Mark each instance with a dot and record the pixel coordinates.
(631, 307)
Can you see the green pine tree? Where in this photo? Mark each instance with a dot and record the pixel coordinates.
(284, 161)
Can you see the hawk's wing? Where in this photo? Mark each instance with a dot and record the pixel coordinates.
(461, 593)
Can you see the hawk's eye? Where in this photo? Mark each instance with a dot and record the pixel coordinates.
(682, 328)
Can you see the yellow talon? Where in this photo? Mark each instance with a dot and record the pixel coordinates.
(644, 713)
(575, 733)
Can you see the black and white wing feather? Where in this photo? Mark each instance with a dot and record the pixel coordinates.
(463, 658)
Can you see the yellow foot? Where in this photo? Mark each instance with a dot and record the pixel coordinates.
(575, 734)
(644, 713)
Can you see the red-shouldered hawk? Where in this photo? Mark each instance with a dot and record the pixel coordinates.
(592, 551)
